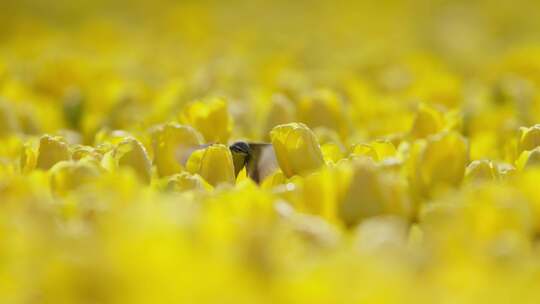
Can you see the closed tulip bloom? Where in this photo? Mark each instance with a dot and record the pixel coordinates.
(377, 150)
(323, 108)
(427, 121)
(170, 142)
(214, 164)
(130, 153)
(70, 175)
(372, 192)
(437, 162)
(529, 138)
(185, 182)
(528, 159)
(51, 151)
(297, 149)
(481, 170)
(210, 118)
(281, 111)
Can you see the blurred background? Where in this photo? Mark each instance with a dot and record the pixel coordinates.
(129, 54)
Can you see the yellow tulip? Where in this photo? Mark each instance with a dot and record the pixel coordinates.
(214, 164)
(529, 138)
(437, 162)
(69, 175)
(210, 118)
(170, 142)
(324, 108)
(372, 192)
(51, 151)
(185, 182)
(297, 149)
(528, 159)
(130, 153)
(377, 150)
(428, 121)
(481, 170)
(281, 111)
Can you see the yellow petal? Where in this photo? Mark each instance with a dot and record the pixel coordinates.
(529, 138)
(130, 153)
(170, 142)
(210, 118)
(297, 149)
(216, 165)
(51, 150)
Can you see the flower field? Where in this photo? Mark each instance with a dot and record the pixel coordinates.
(269, 151)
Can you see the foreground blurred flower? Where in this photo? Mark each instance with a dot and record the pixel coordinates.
(297, 149)
(481, 170)
(371, 192)
(437, 162)
(529, 138)
(51, 150)
(377, 150)
(211, 118)
(69, 175)
(185, 182)
(170, 142)
(323, 108)
(129, 153)
(214, 164)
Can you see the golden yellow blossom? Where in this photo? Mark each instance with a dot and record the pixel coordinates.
(211, 118)
(296, 148)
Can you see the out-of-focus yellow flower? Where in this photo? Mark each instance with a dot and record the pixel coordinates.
(297, 149)
(428, 121)
(129, 153)
(437, 162)
(185, 182)
(324, 108)
(528, 159)
(9, 123)
(170, 142)
(211, 118)
(481, 170)
(529, 138)
(377, 150)
(281, 111)
(214, 164)
(51, 151)
(69, 175)
(371, 192)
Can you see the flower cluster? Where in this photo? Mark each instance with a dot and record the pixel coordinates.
(246, 152)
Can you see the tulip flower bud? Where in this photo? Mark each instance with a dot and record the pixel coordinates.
(529, 138)
(377, 150)
(528, 159)
(211, 118)
(481, 170)
(186, 182)
(214, 164)
(51, 150)
(438, 162)
(69, 175)
(297, 149)
(428, 121)
(323, 109)
(371, 192)
(281, 111)
(130, 153)
(169, 141)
